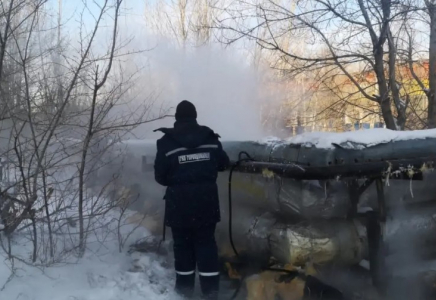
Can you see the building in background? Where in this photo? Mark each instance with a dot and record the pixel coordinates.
(337, 106)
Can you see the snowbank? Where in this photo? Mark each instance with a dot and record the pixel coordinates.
(103, 274)
(365, 138)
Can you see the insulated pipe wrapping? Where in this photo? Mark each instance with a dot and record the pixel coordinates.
(319, 199)
(341, 242)
(336, 241)
(286, 197)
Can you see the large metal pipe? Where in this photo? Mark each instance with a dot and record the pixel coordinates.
(339, 241)
(324, 204)
(358, 169)
(133, 162)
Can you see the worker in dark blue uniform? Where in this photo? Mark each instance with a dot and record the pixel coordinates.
(189, 157)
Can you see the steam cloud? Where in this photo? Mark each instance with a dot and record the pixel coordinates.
(223, 87)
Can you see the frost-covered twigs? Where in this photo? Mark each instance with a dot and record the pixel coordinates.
(12, 275)
(93, 118)
(65, 116)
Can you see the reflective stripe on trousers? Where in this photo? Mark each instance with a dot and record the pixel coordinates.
(206, 274)
(185, 273)
(209, 274)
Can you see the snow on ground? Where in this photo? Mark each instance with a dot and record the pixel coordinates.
(365, 138)
(103, 274)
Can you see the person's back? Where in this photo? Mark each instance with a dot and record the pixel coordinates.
(189, 157)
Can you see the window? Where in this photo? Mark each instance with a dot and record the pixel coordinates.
(357, 125)
(379, 125)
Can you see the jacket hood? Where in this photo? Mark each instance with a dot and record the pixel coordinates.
(189, 134)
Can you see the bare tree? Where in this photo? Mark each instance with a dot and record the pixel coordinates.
(431, 92)
(189, 22)
(350, 39)
(420, 57)
(56, 139)
(93, 119)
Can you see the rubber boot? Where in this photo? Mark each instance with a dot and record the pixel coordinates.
(185, 285)
(210, 287)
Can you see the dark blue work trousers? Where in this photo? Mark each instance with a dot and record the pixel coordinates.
(195, 248)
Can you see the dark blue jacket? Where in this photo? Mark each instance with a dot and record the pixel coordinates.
(188, 159)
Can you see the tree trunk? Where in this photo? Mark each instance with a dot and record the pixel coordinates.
(379, 69)
(400, 105)
(385, 101)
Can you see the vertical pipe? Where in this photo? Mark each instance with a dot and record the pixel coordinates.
(381, 199)
(353, 190)
(376, 251)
